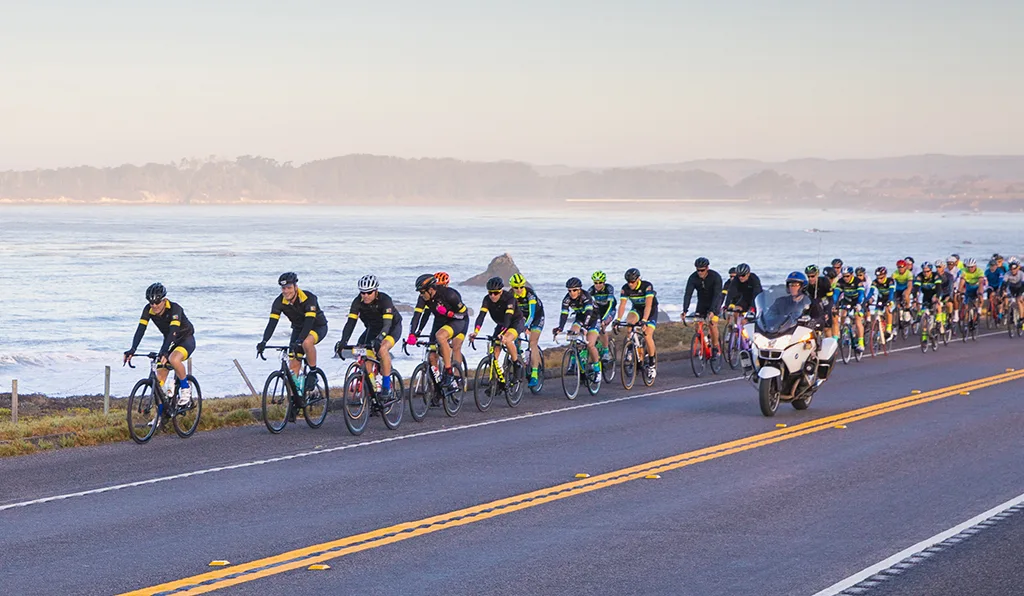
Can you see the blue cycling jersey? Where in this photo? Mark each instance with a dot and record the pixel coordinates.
(995, 278)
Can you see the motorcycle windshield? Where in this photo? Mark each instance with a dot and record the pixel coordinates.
(782, 315)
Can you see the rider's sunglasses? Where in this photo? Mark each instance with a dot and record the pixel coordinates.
(157, 303)
(574, 290)
(367, 293)
(702, 270)
(494, 292)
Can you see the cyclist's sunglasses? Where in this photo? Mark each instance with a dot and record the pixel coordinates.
(367, 293)
(702, 270)
(494, 292)
(571, 290)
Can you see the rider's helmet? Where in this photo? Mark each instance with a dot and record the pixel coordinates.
(155, 293)
(517, 280)
(701, 263)
(837, 264)
(951, 260)
(881, 271)
(1014, 263)
(742, 269)
(632, 274)
(441, 278)
(910, 261)
(424, 282)
(797, 277)
(955, 256)
(970, 263)
(940, 262)
(902, 263)
(860, 271)
(732, 271)
(926, 266)
(599, 277)
(287, 279)
(368, 283)
(495, 283)
(811, 270)
(573, 282)
(848, 270)
(830, 272)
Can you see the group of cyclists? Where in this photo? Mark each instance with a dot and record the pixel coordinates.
(518, 313)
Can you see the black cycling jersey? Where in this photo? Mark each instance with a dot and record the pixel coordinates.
(849, 293)
(709, 292)
(505, 312)
(446, 304)
(582, 306)
(638, 298)
(604, 301)
(948, 281)
(304, 314)
(530, 306)
(930, 286)
(172, 323)
(820, 290)
(742, 293)
(883, 290)
(379, 316)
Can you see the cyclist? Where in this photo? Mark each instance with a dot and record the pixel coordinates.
(309, 325)
(451, 322)
(1013, 286)
(831, 275)
(640, 295)
(948, 288)
(743, 289)
(850, 297)
(954, 268)
(994, 278)
(581, 305)
(532, 310)
(179, 338)
(930, 287)
(819, 289)
(725, 284)
(376, 310)
(1001, 263)
(911, 263)
(903, 277)
(508, 321)
(881, 293)
(972, 281)
(604, 302)
(708, 285)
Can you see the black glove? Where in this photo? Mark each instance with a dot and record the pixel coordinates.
(260, 347)
(337, 349)
(128, 355)
(296, 346)
(377, 341)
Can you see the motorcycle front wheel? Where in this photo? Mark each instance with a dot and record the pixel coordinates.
(768, 396)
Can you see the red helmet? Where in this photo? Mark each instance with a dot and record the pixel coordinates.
(901, 263)
(442, 278)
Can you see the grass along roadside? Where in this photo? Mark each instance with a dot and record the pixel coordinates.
(47, 423)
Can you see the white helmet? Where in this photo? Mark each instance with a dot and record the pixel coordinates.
(368, 283)
(952, 260)
(970, 263)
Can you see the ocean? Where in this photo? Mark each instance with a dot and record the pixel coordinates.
(73, 278)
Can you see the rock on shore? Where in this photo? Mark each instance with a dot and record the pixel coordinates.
(501, 266)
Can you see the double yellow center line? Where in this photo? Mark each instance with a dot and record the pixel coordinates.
(318, 553)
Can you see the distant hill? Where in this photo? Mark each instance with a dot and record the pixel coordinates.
(927, 182)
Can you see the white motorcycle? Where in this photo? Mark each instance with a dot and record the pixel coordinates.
(784, 361)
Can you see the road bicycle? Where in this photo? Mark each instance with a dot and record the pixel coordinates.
(736, 342)
(149, 406)
(497, 376)
(427, 387)
(361, 397)
(929, 330)
(633, 350)
(282, 399)
(878, 337)
(701, 349)
(848, 336)
(576, 368)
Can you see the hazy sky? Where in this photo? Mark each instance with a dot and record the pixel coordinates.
(588, 82)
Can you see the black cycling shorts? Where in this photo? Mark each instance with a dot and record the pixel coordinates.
(318, 333)
(371, 334)
(459, 327)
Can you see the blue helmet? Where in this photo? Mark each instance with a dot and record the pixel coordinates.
(798, 277)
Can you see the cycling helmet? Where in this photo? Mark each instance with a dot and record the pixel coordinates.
(517, 280)
(830, 272)
(368, 283)
(847, 270)
(909, 260)
(287, 279)
(1014, 261)
(951, 260)
(495, 283)
(955, 256)
(742, 269)
(811, 270)
(797, 277)
(155, 293)
(599, 277)
(732, 271)
(424, 282)
(573, 282)
(441, 278)
(939, 264)
(837, 263)
(926, 266)
(881, 271)
(902, 263)
(860, 270)
(970, 263)
(702, 262)
(632, 274)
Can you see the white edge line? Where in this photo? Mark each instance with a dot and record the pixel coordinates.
(438, 431)
(860, 576)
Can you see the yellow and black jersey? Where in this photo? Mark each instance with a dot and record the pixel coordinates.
(378, 316)
(446, 304)
(304, 313)
(172, 323)
(505, 312)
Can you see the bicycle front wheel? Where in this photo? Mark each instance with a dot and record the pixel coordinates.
(516, 385)
(420, 390)
(318, 398)
(356, 403)
(143, 413)
(732, 346)
(570, 373)
(186, 420)
(452, 399)
(608, 368)
(276, 401)
(483, 384)
(540, 375)
(392, 414)
(697, 355)
(629, 365)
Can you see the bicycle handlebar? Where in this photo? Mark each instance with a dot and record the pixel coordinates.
(151, 356)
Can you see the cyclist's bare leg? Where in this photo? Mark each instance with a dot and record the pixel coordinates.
(457, 348)
(534, 349)
(592, 345)
(713, 324)
(309, 347)
(177, 361)
(443, 336)
(384, 355)
(509, 341)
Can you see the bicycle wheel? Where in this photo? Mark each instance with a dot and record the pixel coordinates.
(858, 351)
(186, 420)
(629, 365)
(608, 368)
(874, 338)
(884, 337)
(483, 384)
(392, 414)
(420, 391)
(516, 384)
(452, 400)
(593, 381)
(845, 343)
(716, 361)
(647, 373)
(540, 375)
(730, 346)
(570, 373)
(143, 413)
(904, 325)
(276, 401)
(697, 355)
(356, 403)
(318, 399)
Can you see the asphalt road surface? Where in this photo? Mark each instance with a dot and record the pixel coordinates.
(892, 450)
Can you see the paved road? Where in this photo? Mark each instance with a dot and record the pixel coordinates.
(789, 513)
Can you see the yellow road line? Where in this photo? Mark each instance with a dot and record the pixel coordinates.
(296, 559)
